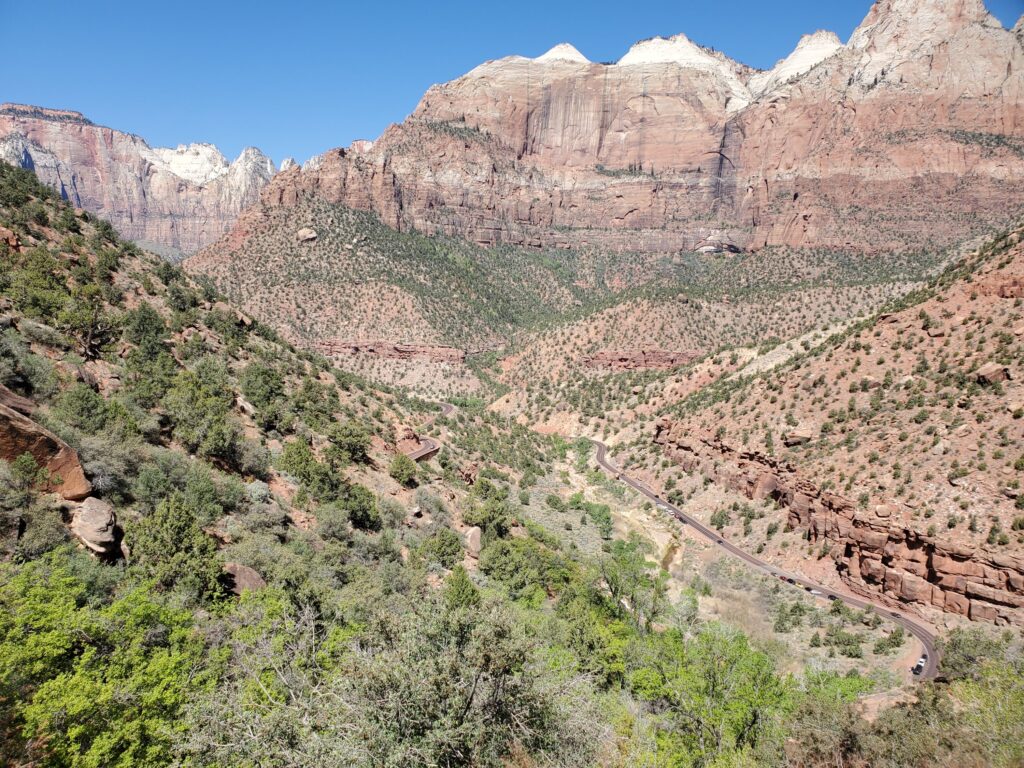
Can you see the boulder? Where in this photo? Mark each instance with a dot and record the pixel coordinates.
(20, 435)
(766, 486)
(473, 545)
(469, 473)
(94, 523)
(16, 402)
(9, 238)
(800, 436)
(306, 235)
(241, 578)
(993, 373)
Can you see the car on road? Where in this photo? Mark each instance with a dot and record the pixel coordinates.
(816, 592)
(894, 614)
(918, 668)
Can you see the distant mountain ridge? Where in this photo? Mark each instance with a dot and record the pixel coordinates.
(903, 138)
(173, 200)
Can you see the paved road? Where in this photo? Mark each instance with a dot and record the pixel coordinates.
(429, 446)
(927, 639)
(919, 631)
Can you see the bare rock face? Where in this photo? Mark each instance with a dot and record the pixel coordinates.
(175, 200)
(242, 578)
(94, 524)
(389, 350)
(473, 545)
(641, 359)
(20, 435)
(678, 147)
(880, 552)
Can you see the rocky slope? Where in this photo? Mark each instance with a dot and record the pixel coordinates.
(175, 200)
(910, 135)
(896, 445)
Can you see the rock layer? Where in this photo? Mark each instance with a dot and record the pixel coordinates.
(20, 435)
(874, 549)
(641, 359)
(911, 134)
(391, 350)
(176, 200)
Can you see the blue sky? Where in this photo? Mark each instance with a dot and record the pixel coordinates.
(300, 77)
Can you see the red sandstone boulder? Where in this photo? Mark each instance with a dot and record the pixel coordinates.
(993, 373)
(20, 435)
(473, 543)
(242, 578)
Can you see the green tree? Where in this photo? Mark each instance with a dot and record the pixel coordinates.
(460, 591)
(403, 469)
(92, 686)
(199, 404)
(174, 550)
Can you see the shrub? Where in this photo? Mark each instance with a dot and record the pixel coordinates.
(403, 469)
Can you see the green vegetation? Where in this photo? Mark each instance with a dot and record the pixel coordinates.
(220, 446)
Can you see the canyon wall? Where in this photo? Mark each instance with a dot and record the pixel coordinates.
(877, 549)
(909, 136)
(173, 200)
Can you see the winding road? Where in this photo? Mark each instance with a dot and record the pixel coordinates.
(429, 447)
(919, 631)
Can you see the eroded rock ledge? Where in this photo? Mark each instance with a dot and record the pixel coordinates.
(641, 359)
(879, 549)
(391, 350)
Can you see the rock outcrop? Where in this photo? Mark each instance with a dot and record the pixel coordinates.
(20, 435)
(173, 200)
(875, 549)
(640, 359)
(242, 578)
(390, 350)
(919, 116)
(94, 524)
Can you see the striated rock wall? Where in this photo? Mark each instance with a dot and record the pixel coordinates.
(878, 550)
(912, 134)
(20, 435)
(390, 350)
(177, 200)
(640, 359)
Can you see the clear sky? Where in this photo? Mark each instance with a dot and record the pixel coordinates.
(299, 77)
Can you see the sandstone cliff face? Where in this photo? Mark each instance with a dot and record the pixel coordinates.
(911, 134)
(875, 550)
(175, 200)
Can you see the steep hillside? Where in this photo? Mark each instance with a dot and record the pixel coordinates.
(908, 136)
(896, 445)
(174, 200)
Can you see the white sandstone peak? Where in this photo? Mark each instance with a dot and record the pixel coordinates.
(677, 49)
(197, 163)
(564, 52)
(809, 52)
(288, 163)
(681, 51)
(915, 23)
